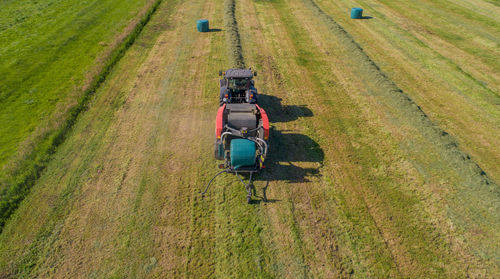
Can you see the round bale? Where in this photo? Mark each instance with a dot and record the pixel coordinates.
(202, 25)
(356, 13)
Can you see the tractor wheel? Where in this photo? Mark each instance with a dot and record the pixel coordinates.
(217, 150)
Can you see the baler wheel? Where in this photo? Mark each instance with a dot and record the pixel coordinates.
(217, 151)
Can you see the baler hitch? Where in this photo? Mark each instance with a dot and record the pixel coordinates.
(249, 187)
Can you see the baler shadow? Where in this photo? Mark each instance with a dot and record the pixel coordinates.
(293, 157)
(289, 150)
(264, 198)
(293, 147)
(282, 113)
(214, 30)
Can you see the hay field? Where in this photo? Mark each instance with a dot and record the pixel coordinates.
(383, 150)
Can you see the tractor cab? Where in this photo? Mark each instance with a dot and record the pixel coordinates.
(237, 86)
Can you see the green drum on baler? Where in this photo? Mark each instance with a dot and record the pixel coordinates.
(242, 153)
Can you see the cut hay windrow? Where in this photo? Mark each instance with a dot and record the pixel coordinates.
(19, 184)
(473, 196)
(393, 96)
(233, 35)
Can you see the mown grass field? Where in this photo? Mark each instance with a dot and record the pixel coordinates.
(383, 163)
(41, 49)
(447, 63)
(52, 52)
(65, 64)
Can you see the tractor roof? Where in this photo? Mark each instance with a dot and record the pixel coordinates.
(239, 73)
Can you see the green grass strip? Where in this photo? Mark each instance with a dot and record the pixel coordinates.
(19, 184)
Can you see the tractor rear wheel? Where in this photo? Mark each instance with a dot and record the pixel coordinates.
(218, 152)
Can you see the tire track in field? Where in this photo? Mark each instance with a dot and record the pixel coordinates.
(199, 256)
(146, 234)
(372, 207)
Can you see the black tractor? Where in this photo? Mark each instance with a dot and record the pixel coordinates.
(237, 86)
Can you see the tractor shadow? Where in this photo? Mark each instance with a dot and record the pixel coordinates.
(288, 151)
(282, 113)
(292, 157)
